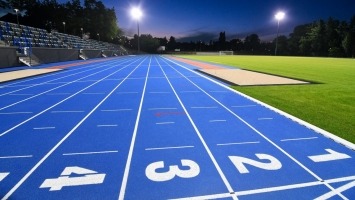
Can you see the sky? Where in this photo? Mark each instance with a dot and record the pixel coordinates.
(204, 19)
(192, 20)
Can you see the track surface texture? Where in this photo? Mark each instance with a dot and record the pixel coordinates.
(149, 127)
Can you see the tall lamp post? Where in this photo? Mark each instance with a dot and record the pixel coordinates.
(17, 10)
(136, 13)
(64, 26)
(279, 16)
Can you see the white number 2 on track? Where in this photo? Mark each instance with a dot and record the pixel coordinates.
(174, 170)
(239, 162)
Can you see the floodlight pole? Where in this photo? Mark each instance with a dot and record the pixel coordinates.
(279, 16)
(138, 36)
(64, 27)
(136, 13)
(17, 10)
(277, 36)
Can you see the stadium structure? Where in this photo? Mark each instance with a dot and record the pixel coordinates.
(25, 45)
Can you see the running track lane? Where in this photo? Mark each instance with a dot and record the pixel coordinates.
(166, 132)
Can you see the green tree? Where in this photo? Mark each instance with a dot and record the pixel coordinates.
(295, 39)
(222, 41)
(252, 43)
(349, 39)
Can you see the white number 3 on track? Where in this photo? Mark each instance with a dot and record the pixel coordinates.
(174, 170)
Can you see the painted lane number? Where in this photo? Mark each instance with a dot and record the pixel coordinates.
(64, 180)
(174, 170)
(332, 155)
(240, 162)
(3, 175)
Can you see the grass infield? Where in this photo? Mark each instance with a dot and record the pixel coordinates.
(329, 104)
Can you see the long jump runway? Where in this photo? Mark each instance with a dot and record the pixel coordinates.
(148, 127)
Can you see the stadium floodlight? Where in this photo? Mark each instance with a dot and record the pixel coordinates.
(279, 16)
(17, 10)
(137, 14)
(64, 26)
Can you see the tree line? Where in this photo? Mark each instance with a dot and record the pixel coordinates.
(330, 38)
(91, 18)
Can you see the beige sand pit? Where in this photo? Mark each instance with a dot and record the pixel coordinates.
(249, 78)
(8, 76)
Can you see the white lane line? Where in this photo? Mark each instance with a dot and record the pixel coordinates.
(55, 94)
(67, 111)
(165, 148)
(271, 189)
(206, 107)
(238, 143)
(88, 153)
(29, 173)
(217, 120)
(295, 139)
(107, 125)
(48, 82)
(211, 196)
(133, 141)
(197, 131)
(244, 106)
(159, 92)
(10, 157)
(265, 118)
(15, 113)
(163, 123)
(45, 110)
(337, 190)
(117, 110)
(44, 128)
(93, 93)
(47, 91)
(21, 94)
(127, 92)
(189, 91)
(251, 127)
(221, 91)
(162, 108)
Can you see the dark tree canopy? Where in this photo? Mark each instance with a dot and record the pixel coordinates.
(91, 16)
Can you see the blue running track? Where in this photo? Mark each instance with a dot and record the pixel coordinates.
(149, 127)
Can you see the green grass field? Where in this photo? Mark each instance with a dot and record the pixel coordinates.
(329, 105)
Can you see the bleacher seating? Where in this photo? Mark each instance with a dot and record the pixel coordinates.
(25, 36)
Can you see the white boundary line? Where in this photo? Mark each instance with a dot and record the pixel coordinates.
(213, 159)
(164, 148)
(131, 147)
(164, 123)
(43, 128)
(15, 113)
(23, 179)
(238, 143)
(296, 139)
(88, 153)
(9, 157)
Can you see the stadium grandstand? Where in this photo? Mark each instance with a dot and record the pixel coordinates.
(26, 40)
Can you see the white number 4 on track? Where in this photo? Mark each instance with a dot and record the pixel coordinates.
(89, 177)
